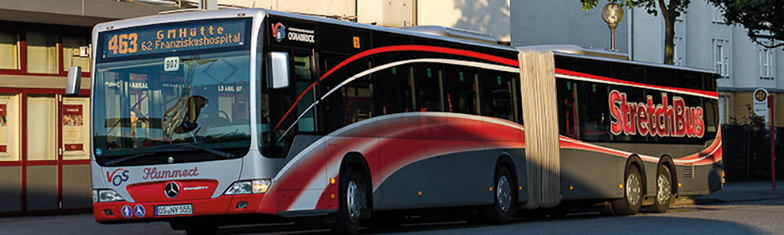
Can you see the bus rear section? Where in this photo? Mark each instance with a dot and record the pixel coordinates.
(654, 126)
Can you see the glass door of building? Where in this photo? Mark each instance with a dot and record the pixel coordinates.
(41, 174)
(57, 161)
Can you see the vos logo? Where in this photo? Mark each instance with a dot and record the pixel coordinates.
(279, 31)
(117, 177)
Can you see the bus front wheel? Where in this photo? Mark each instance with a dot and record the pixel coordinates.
(352, 202)
(632, 193)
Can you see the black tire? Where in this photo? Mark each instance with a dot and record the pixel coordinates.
(632, 193)
(352, 202)
(607, 209)
(504, 198)
(663, 191)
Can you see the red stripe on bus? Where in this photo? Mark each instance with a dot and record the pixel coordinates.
(613, 80)
(708, 155)
(442, 50)
(379, 50)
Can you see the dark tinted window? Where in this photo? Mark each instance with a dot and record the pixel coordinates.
(349, 103)
(461, 89)
(395, 90)
(499, 95)
(429, 87)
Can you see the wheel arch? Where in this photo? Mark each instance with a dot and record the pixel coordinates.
(505, 160)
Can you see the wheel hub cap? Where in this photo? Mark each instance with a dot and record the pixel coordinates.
(664, 187)
(504, 194)
(353, 201)
(633, 189)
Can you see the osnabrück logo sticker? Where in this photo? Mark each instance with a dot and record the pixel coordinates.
(279, 31)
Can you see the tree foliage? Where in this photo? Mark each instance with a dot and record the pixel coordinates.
(764, 19)
(669, 9)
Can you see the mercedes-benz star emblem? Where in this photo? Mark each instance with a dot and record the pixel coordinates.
(171, 190)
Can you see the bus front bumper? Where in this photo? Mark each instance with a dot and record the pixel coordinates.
(120, 212)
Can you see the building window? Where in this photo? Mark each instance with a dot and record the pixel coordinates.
(717, 16)
(9, 51)
(71, 53)
(767, 63)
(679, 51)
(721, 57)
(42, 52)
(724, 109)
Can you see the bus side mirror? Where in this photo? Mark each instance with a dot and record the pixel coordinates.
(74, 81)
(279, 67)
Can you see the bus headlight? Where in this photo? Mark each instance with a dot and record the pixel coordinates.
(106, 195)
(249, 186)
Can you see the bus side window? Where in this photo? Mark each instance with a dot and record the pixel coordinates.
(429, 87)
(303, 71)
(567, 107)
(462, 94)
(349, 103)
(394, 90)
(496, 96)
(594, 118)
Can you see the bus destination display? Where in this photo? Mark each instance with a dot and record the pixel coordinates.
(174, 37)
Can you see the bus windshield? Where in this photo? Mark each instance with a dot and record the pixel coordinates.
(160, 104)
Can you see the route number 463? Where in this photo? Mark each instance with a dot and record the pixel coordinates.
(171, 64)
(124, 44)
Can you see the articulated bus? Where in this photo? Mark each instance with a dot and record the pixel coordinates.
(210, 118)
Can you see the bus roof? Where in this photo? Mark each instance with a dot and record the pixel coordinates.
(257, 12)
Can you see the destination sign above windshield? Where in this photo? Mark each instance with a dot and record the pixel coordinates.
(174, 37)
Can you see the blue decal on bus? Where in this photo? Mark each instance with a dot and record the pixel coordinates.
(126, 211)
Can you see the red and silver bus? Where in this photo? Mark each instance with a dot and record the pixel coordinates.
(211, 118)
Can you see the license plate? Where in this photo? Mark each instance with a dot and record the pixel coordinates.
(174, 210)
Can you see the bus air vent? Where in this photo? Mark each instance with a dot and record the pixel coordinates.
(688, 172)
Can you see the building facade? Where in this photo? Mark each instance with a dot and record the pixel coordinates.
(44, 139)
(702, 40)
(44, 136)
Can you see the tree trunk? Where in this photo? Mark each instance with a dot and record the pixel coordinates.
(669, 38)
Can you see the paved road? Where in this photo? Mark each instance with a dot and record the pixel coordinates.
(750, 217)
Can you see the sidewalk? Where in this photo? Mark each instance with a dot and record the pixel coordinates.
(739, 192)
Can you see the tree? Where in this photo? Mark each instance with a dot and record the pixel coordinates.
(670, 10)
(764, 19)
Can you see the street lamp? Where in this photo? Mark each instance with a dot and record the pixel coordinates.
(612, 13)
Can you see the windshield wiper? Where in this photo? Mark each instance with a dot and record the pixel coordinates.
(123, 159)
(169, 148)
(194, 146)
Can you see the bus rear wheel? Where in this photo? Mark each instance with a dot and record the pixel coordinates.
(663, 190)
(632, 197)
(504, 198)
(352, 202)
